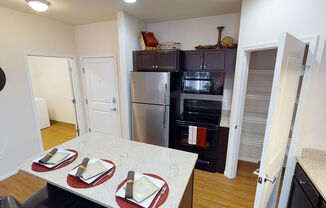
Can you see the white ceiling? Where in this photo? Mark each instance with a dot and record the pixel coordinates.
(88, 11)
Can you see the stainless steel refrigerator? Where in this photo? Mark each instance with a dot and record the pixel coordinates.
(150, 101)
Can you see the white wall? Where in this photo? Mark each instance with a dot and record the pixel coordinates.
(51, 80)
(263, 21)
(196, 31)
(21, 32)
(129, 28)
(96, 39)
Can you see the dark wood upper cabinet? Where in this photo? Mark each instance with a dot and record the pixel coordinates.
(214, 60)
(159, 60)
(144, 60)
(193, 60)
(167, 60)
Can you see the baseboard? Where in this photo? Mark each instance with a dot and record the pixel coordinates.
(248, 159)
(7, 175)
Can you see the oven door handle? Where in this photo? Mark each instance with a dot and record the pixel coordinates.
(187, 126)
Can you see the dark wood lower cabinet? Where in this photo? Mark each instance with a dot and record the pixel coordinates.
(323, 204)
(298, 198)
(303, 193)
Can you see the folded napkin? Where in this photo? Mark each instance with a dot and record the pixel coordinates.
(130, 184)
(201, 136)
(82, 167)
(48, 156)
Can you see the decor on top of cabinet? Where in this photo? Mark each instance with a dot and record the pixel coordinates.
(226, 42)
(169, 45)
(147, 41)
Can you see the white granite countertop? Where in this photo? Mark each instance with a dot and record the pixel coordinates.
(174, 166)
(313, 162)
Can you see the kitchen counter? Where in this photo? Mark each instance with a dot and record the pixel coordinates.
(175, 166)
(313, 162)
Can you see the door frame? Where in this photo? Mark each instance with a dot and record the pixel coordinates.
(117, 87)
(80, 115)
(238, 100)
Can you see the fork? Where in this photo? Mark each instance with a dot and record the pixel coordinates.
(158, 198)
(65, 162)
(109, 173)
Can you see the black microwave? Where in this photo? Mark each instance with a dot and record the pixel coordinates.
(203, 83)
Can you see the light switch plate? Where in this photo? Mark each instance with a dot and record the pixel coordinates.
(2, 155)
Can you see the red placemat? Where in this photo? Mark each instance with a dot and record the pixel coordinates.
(77, 183)
(40, 168)
(124, 203)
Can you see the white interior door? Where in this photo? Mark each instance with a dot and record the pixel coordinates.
(284, 90)
(101, 91)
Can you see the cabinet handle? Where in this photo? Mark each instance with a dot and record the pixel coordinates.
(302, 182)
(156, 66)
(204, 66)
(153, 67)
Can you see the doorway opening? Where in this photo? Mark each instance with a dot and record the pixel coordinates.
(261, 67)
(54, 92)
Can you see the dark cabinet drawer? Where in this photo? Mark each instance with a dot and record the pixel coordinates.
(298, 198)
(306, 185)
(323, 204)
(158, 60)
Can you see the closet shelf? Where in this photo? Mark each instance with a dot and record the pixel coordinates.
(261, 72)
(253, 139)
(255, 117)
(258, 95)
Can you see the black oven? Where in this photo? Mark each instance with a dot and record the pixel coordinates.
(203, 83)
(207, 114)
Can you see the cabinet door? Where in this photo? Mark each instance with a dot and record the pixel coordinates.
(323, 204)
(297, 198)
(144, 60)
(214, 60)
(193, 60)
(167, 60)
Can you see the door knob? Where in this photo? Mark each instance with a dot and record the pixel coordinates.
(272, 180)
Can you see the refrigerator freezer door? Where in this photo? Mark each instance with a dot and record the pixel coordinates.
(150, 124)
(150, 87)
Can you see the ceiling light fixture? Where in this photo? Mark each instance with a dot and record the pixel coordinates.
(39, 5)
(130, 1)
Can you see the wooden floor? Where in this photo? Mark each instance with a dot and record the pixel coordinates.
(211, 190)
(57, 133)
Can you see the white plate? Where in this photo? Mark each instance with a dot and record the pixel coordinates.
(107, 165)
(147, 202)
(71, 154)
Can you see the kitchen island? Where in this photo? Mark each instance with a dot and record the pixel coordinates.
(174, 166)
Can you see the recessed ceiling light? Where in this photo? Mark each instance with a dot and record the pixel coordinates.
(39, 5)
(130, 1)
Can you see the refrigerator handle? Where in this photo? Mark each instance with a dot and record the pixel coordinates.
(164, 103)
(164, 112)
